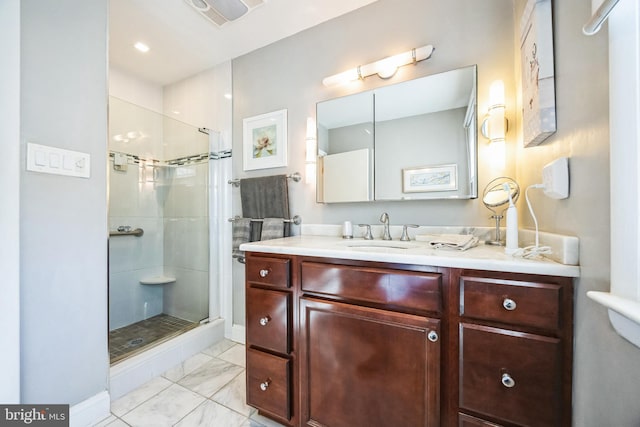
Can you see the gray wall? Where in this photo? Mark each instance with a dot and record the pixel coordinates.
(63, 233)
(288, 75)
(10, 201)
(606, 367)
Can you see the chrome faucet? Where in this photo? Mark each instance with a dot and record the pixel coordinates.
(384, 219)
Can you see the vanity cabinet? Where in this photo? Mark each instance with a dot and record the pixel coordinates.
(515, 349)
(335, 343)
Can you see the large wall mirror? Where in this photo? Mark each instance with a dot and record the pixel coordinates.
(414, 140)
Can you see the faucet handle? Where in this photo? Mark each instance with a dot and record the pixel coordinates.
(367, 233)
(405, 235)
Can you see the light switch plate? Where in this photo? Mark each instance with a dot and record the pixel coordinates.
(57, 161)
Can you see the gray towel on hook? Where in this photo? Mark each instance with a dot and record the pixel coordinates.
(272, 228)
(241, 234)
(265, 197)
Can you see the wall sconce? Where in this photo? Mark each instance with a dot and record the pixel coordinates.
(495, 125)
(385, 68)
(311, 151)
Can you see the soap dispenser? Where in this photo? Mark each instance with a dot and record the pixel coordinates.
(511, 244)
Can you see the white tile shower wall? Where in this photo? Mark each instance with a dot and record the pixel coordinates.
(186, 242)
(182, 140)
(188, 297)
(131, 253)
(189, 246)
(131, 302)
(135, 130)
(135, 204)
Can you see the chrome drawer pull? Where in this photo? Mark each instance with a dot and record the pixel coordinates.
(509, 304)
(432, 336)
(265, 385)
(507, 381)
(264, 273)
(264, 320)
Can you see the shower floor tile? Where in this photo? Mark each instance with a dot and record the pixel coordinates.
(132, 339)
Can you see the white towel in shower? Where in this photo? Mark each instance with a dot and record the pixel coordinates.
(272, 228)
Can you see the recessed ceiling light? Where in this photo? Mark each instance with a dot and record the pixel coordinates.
(141, 47)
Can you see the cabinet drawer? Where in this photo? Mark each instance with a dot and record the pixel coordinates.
(268, 383)
(513, 302)
(268, 319)
(469, 421)
(269, 271)
(510, 375)
(395, 289)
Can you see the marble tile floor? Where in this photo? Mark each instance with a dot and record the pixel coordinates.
(205, 390)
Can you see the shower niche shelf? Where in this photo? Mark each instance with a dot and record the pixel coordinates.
(157, 280)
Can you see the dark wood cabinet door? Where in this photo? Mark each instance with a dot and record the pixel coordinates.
(368, 367)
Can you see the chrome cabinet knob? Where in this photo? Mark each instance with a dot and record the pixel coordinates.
(509, 304)
(264, 273)
(265, 385)
(432, 336)
(507, 381)
(264, 320)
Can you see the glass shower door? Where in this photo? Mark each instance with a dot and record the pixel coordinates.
(158, 183)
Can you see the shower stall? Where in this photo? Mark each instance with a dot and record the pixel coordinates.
(160, 173)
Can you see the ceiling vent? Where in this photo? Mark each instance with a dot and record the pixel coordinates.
(222, 11)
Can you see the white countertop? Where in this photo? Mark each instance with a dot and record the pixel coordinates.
(482, 257)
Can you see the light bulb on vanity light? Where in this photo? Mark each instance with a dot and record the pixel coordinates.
(384, 68)
(495, 125)
(311, 151)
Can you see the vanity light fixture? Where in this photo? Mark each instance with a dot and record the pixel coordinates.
(311, 151)
(495, 125)
(384, 68)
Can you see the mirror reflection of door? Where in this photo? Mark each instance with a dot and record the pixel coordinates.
(345, 149)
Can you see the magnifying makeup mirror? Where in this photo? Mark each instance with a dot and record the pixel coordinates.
(496, 198)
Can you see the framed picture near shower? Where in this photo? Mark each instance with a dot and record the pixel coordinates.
(538, 85)
(264, 142)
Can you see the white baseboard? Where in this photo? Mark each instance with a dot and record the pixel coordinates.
(90, 411)
(237, 334)
(137, 370)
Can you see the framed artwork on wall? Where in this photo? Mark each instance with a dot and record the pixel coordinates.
(430, 178)
(538, 81)
(264, 142)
